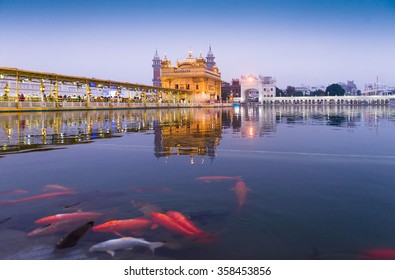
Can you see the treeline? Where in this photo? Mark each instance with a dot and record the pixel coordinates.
(332, 90)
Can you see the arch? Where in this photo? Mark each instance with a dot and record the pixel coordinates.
(250, 94)
(265, 87)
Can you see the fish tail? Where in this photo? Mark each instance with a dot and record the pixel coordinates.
(155, 245)
(205, 237)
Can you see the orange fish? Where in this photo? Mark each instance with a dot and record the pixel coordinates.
(218, 178)
(170, 224)
(380, 254)
(55, 227)
(69, 216)
(136, 226)
(241, 190)
(36, 197)
(183, 221)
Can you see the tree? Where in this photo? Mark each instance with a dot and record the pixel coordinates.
(335, 89)
(279, 92)
(290, 91)
(318, 92)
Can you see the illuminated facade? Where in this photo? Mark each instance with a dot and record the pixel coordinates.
(189, 133)
(202, 79)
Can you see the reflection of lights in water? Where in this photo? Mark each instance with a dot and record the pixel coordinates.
(202, 160)
(8, 131)
(251, 131)
(192, 162)
(4, 147)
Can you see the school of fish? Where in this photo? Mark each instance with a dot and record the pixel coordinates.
(74, 226)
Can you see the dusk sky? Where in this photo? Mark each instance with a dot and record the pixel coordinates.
(297, 42)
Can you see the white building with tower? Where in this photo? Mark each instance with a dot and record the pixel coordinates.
(262, 87)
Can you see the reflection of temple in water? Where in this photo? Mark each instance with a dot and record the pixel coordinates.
(177, 131)
(193, 133)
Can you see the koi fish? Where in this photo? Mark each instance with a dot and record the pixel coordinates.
(178, 223)
(124, 243)
(35, 197)
(218, 178)
(71, 239)
(241, 190)
(54, 227)
(380, 254)
(170, 224)
(183, 221)
(69, 217)
(135, 226)
(56, 188)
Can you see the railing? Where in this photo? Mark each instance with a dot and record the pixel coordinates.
(70, 105)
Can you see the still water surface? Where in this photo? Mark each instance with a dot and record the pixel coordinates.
(315, 182)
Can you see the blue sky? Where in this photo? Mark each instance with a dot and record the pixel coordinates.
(309, 42)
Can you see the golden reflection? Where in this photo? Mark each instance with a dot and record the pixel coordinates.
(176, 131)
(195, 133)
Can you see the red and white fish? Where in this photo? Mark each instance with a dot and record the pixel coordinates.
(77, 216)
(241, 191)
(54, 187)
(178, 223)
(135, 226)
(170, 224)
(218, 178)
(62, 226)
(183, 221)
(36, 197)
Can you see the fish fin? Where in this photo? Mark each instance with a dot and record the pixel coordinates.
(111, 252)
(154, 226)
(155, 245)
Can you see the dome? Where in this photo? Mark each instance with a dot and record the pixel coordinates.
(210, 53)
(156, 56)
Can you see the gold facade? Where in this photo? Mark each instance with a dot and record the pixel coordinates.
(192, 75)
(196, 133)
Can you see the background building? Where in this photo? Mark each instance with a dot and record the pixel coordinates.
(350, 88)
(229, 91)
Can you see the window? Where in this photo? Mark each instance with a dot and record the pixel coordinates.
(176, 86)
(271, 89)
(188, 87)
(197, 86)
